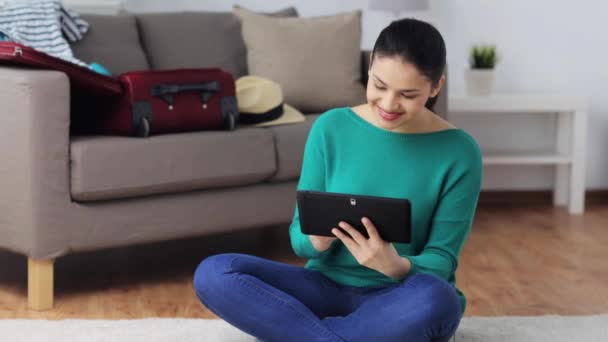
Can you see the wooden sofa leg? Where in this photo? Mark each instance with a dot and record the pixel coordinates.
(40, 284)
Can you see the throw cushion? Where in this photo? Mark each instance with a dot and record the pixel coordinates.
(112, 41)
(197, 40)
(317, 61)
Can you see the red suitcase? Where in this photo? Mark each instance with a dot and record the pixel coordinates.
(90, 91)
(170, 101)
(82, 80)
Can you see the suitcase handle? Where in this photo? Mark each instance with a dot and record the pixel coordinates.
(166, 91)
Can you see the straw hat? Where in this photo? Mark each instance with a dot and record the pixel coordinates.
(260, 102)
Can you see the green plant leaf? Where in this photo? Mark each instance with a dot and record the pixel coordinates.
(483, 56)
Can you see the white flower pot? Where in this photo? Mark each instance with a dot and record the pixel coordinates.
(479, 81)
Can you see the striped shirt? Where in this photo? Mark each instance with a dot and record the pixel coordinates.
(45, 25)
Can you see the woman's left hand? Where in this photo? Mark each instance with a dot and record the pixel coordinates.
(374, 253)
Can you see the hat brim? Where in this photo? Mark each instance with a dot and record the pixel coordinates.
(290, 115)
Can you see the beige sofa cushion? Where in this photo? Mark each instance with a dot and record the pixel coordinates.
(317, 61)
(121, 167)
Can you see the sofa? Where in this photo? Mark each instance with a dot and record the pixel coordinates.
(65, 193)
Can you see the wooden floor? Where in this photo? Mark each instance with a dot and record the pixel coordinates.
(527, 260)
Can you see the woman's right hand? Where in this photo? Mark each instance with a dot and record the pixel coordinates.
(321, 243)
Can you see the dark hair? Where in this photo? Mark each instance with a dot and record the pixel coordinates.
(416, 42)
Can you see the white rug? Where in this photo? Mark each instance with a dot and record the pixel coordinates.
(472, 329)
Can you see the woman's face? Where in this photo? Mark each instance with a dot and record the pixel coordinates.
(397, 92)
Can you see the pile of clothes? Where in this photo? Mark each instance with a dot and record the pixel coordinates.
(45, 25)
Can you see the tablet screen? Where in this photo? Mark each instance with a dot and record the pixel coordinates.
(320, 212)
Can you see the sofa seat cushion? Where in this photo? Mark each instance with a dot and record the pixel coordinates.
(290, 140)
(111, 167)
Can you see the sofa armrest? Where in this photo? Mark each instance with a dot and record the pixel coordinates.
(34, 149)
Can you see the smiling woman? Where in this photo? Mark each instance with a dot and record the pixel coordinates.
(406, 74)
(357, 287)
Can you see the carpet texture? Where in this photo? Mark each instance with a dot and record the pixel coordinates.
(472, 329)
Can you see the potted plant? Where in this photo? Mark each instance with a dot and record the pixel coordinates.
(480, 76)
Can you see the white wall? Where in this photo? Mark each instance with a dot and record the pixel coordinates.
(554, 46)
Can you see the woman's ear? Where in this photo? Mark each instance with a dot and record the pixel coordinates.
(438, 87)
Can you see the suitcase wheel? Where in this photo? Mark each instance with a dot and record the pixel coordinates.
(230, 122)
(144, 128)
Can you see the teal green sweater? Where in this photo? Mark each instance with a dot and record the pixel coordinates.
(439, 172)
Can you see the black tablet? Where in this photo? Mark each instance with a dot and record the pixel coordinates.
(321, 211)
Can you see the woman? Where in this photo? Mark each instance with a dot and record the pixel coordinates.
(355, 288)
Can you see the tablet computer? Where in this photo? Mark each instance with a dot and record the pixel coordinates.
(321, 211)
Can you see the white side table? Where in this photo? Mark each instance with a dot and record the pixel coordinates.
(569, 156)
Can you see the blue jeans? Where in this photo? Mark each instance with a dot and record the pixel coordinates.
(275, 301)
